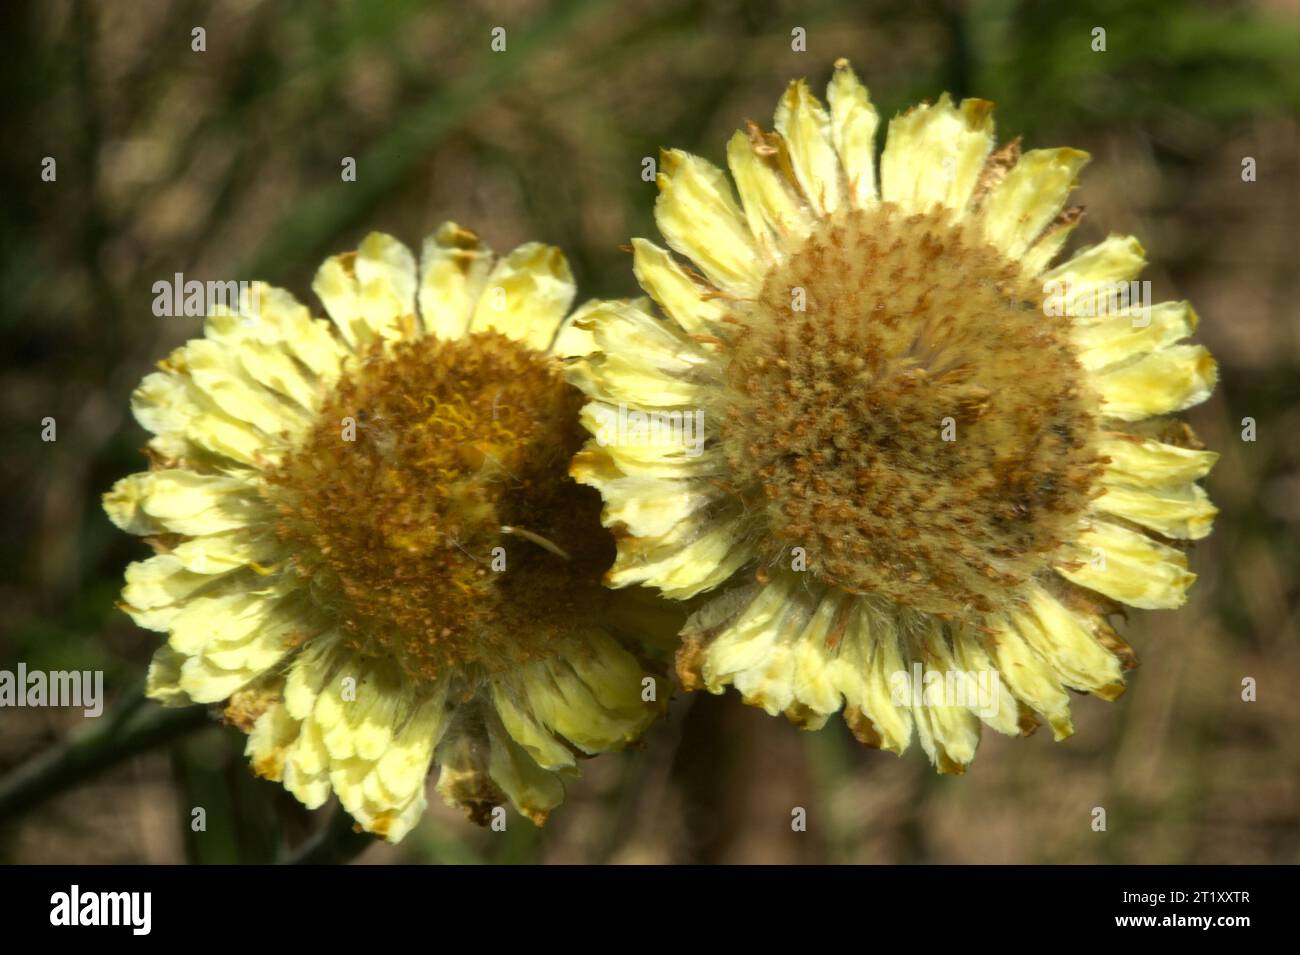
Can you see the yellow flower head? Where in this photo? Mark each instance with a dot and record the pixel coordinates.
(368, 542)
(932, 463)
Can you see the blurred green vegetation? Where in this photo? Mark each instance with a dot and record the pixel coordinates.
(226, 164)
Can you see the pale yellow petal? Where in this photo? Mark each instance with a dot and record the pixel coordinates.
(161, 404)
(306, 767)
(205, 682)
(806, 127)
(229, 639)
(385, 271)
(159, 582)
(217, 372)
(998, 709)
(592, 713)
(230, 550)
(945, 727)
(183, 502)
(758, 651)
(280, 345)
(454, 267)
(1048, 246)
(1068, 645)
(775, 212)
(163, 682)
(769, 685)
(641, 361)
(526, 296)
(173, 406)
(370, 294)
(1180, 511)
(644, 507)
(312, 341)
(934, 154)
(1109, 341)
(879, 657)
(510, 699)
(853, 131)
(695, 557)
(1162, 382)
(1089, 272)
(608, 456)
(1030, 677)
(623, 378)
(386, 794)
(1143, 462)
(684, 300)
(574, 339)
(747, 636)
(532, 790)
(274, 368)
(358, 728)
(273, 733)
(815, 651)
(655, 345)
(1129, 566)
(699, 219)
(1022, 205)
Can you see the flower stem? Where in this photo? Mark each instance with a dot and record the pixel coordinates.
(123, 733)
(336, 843)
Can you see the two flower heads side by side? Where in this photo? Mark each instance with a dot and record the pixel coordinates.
(378, 538)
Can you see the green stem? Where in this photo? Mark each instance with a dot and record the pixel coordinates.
(123, 733)
(336, 843)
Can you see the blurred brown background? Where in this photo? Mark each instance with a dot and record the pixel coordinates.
(226, 164)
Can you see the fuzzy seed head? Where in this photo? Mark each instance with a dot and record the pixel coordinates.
(920, 428)
(461, 447)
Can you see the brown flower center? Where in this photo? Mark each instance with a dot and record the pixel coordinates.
(431, 511)
(900, 407)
